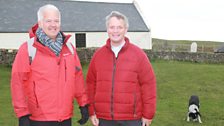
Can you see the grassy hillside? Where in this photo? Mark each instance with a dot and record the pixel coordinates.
(184, 45)
(176, 81)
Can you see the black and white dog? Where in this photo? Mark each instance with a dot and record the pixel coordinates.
(193, 109)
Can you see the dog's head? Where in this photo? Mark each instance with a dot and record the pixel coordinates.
(193, 115)
(193, 112)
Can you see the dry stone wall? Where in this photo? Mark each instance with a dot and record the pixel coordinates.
(85, 55)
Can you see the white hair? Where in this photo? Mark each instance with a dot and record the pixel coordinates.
(118, 15)
(40, 12)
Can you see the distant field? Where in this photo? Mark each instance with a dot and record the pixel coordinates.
(176, 81)
(184, 45)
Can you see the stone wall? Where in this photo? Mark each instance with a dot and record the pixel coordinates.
(187, 56)
(7, 56)
(85, 55)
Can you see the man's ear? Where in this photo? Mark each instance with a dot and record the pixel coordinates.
(126, 30)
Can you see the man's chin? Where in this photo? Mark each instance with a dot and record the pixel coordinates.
(117, 40)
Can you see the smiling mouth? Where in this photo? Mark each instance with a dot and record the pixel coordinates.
(52, 29)
(116, 35)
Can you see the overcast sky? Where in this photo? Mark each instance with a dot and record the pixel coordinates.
(182, 19)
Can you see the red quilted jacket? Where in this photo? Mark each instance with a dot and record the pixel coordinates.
(122, 88)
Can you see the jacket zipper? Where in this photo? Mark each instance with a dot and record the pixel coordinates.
(112, 94)
(35, 95)
(65, 71)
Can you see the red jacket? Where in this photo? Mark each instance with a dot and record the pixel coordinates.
(47, 88)
(122, 88)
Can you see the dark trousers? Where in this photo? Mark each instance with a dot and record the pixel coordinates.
(51, 123)
(103, 122)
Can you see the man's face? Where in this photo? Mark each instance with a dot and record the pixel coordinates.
(116, 30)
(50, 23)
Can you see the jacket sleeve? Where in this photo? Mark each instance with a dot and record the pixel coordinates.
(19, 77)
(80, 90)
(148, 88)
(91, 85)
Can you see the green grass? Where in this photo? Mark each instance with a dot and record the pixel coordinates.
(176, 81)
(7, 117)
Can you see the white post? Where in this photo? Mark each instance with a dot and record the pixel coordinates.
(194, 47)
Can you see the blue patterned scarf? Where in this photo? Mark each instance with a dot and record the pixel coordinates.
(45, 40)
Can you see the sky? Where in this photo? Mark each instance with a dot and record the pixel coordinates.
(201, 20)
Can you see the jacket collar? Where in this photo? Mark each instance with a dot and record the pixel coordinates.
(126, 45)
(32, 33)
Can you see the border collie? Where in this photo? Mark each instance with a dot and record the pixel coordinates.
(193, 109)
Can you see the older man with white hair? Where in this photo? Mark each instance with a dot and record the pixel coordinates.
(44, 86)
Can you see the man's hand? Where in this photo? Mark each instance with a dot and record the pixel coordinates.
(85, 114)
(24, 121)
(146, 122)
(94, 120)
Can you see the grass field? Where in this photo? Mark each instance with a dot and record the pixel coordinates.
(176, 81)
